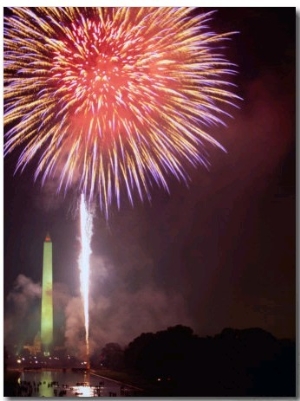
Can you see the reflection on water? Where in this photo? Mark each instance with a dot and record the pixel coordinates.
(45, 390)
(58, 383)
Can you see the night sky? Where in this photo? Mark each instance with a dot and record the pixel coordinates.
(218, 253)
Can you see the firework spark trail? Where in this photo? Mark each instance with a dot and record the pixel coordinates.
(113, 99)
(84, 264)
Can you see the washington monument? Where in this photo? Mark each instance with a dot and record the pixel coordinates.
(47, 299)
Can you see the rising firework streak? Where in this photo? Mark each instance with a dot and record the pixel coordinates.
(84, 265)
(112, 98)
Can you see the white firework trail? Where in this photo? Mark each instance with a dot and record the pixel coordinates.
(86, 225)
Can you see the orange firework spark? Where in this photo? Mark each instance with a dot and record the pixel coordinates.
(112, 97)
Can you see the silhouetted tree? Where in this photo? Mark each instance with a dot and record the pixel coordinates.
(236, 363)
(112, 356)
(138, 352)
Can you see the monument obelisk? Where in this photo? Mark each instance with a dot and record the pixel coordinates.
(47, 299)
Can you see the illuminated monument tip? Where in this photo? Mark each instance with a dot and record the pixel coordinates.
(48, 238)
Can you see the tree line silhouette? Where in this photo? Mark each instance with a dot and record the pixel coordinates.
(249, 362)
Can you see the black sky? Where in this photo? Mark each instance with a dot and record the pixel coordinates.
(220, 253)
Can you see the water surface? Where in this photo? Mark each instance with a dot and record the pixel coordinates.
(51, 383)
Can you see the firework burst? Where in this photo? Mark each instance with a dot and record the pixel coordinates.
(112, 98)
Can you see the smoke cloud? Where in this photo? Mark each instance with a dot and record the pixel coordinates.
(22, 307)
(24, 292)
(117, 315)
